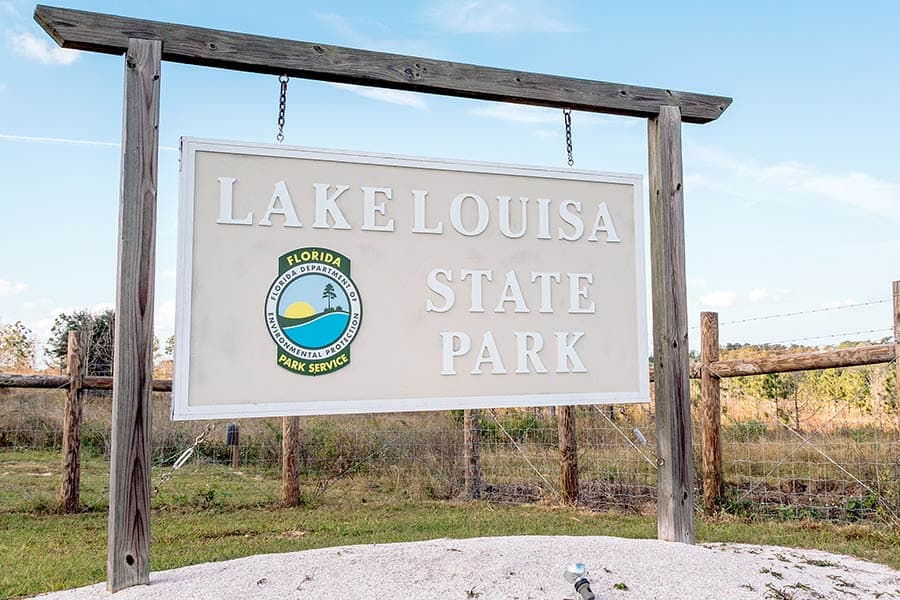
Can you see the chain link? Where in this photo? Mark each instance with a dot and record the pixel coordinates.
(567, 118)
(282, 104)
(183, 458)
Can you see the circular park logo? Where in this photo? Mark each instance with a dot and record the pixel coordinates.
(313, 311)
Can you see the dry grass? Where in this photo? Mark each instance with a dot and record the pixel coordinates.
(850, 470)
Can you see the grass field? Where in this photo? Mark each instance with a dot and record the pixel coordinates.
(207, 512)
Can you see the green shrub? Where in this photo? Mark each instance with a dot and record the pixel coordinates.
(747, 431)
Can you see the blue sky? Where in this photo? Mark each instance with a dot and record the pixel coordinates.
(792, 198)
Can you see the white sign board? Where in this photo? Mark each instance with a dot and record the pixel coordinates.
(319, 281)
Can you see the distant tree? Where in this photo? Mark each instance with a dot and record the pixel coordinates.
(17, 347)
(328, 294)
(847, 385)
(100, 343)
(169, 351)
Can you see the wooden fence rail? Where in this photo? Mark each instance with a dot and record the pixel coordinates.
(710, 370)
(741, 367)
(61, 382)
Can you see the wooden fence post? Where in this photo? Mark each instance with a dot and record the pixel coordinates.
(895, 289)
(675, 478)
(69, 489)
(233, 439)
(713, 487)
(290, 459)
(472, 453)
(568, 454)
(128, 546)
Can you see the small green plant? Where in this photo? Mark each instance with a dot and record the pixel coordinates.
(820, 563)
(734, 504)
(858, 507)
(620, 586)
(747, 431)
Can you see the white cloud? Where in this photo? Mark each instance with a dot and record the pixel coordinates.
(8, 8)
(782, 181)
(9, 288)
(364, 38)
(764, 295)
(164, 319)
(102, 307)
(718, 299)
(38, 303)
(840, 303)
(340, 26)
(493, 16)
(40, 49)
(517, 113)
(537, 115)
(548, 134)
(383, 95)
(60, 310)
(41, 328)
(696, 282)
(168, 274)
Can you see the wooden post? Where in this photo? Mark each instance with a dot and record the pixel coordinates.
(69, 489)
(709, 386)
(568, 454)
(472, 453)
(128, 556)
(290, 459)
(895, 289)
(675, 518)
(236, 448)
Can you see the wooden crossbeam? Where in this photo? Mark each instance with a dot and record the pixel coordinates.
(97, 32)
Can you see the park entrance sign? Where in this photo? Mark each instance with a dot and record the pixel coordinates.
(146, 44)
(317, 281)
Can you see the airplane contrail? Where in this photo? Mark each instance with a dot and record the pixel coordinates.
(52, 140)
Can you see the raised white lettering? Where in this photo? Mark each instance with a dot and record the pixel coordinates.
(226, 204)
(456, 219)
(488, 353)
(371, 206)
(604, 222)
(528, 347)
(326, 204)
(281, 196)
(442, 289)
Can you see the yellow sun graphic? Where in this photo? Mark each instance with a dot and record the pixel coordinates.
(299, 310)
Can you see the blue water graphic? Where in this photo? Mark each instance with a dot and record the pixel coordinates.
(320, 332)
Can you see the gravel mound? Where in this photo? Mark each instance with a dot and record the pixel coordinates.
(527, 567)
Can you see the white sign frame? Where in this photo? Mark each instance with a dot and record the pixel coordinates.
(181, 408)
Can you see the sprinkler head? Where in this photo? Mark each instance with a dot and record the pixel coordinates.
(576, 574)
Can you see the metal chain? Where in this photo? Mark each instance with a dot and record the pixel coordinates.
(183, 458)
(282, 104)
(567, 118)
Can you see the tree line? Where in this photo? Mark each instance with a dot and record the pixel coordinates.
(870, 388)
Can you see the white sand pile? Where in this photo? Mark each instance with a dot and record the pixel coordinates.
(525, 567)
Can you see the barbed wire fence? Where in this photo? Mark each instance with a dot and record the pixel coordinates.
(825, 445)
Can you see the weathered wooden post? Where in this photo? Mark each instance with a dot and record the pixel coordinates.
(472, 453)
(712, 415)
(290, 460)
(69, 490)
(568, 454)
(128, 558)
(234, 440)
(675, 518)
(895, 289)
